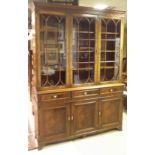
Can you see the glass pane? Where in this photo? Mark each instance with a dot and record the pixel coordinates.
(110, 49)
(52, 50)
(83, 49)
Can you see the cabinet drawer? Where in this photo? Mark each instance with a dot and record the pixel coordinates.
(55, 96)
(110, 90)
(111, 95)
(85, 93)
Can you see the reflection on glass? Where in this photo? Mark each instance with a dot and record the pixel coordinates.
(110, 46)
(83, 49)
(52, 50)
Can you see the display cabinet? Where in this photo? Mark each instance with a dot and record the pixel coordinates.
(77, 61)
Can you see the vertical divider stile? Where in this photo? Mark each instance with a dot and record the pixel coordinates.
(78, 48)
(37, 83)
(98, 49)
(121, 48)
(105, 50)
(69, 65)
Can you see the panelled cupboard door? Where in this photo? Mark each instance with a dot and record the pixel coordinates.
(54, 122)
(110, 112)
(84, 116)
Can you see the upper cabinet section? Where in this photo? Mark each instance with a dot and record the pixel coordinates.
(83, 51)
(52, 50)
(76, 46)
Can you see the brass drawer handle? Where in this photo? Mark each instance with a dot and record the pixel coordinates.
(85, 93)
(55, 96)
(111, 90)
(72, 118)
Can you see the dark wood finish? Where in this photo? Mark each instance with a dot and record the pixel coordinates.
(109, 112)
(70, 97)
(55, 120)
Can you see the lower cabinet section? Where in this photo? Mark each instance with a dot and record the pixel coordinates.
(61, 119)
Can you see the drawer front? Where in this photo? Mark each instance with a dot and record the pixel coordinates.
(55, 96)
(85, 93)
(112, 95)
(111, 90)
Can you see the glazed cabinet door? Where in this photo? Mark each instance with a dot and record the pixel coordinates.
(84, 117)
(54, 122)
(109, 45)
(52, 49)
(110, 112)
(83, 49)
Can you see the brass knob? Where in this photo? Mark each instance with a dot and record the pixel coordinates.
(85, 93)
(72, 118)
(69, 118)
(55, 96)
(111, 90)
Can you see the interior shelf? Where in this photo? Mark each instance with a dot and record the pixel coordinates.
(83, 68)
(87, 32)
(56, 43)
(109, 32)
(85, 62)
(84, 51)
(108, 51)
(108, 39)
(107, 61)
(87, 39)
(108, 67)
(84, 47)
